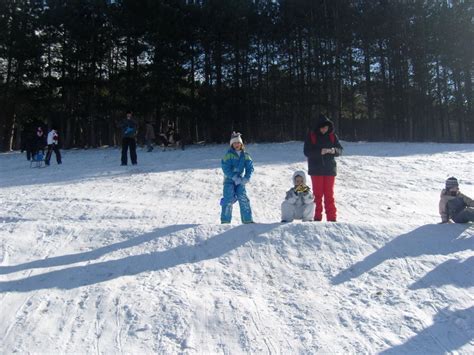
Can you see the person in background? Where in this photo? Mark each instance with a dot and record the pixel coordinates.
(28, 141)
(38, 142)
(53, 145)
(149, 135)
(129, 132)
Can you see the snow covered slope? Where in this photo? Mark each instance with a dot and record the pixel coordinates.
(98, 258)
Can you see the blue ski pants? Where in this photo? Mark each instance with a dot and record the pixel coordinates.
(232, 193)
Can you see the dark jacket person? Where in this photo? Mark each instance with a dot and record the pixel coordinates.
(129, 132)
(321, 147)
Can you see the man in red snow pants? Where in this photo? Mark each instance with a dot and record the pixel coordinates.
(321, 147)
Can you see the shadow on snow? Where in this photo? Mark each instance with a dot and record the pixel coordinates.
(78, 276)
(96, 253)
(431, 239)
(450, 331)
(451, 272)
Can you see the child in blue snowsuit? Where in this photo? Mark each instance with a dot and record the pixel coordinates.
(238, 168)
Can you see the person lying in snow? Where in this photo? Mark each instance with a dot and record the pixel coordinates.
(299, 200)
(453, 205)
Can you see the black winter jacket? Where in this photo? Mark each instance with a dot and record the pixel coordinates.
(39, 142)
(129, 128)
(318, 164)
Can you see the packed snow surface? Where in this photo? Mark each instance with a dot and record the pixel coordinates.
(99, 258)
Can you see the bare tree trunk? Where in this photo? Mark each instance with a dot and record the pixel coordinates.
(5, 109)
(368, 84)
(459, 106)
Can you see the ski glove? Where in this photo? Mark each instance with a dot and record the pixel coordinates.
(244, 181)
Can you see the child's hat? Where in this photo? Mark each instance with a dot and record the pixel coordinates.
(299, 173)
(451, 182)
(236, 138)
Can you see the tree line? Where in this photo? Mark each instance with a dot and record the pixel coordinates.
(398, 70)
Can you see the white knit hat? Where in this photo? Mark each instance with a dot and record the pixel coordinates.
(236, 138)
(299, 173)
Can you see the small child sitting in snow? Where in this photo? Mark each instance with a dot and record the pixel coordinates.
(299, 200)
(455, 205)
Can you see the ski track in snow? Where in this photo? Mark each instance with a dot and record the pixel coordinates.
(98, 258)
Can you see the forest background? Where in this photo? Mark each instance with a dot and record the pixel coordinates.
(391, 70)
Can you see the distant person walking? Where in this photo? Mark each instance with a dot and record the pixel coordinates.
(28, 141)
(53, 145)
(129, 132)
(321, 147)
(149, 136)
